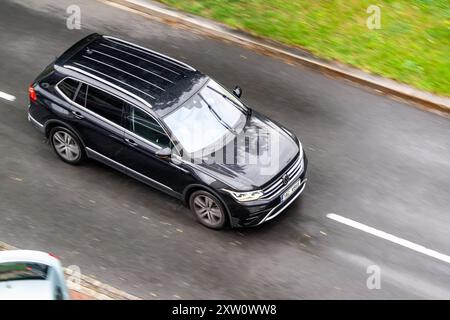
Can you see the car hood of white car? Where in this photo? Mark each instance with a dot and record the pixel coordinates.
(26, 290)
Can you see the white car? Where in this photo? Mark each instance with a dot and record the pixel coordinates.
(31, 275)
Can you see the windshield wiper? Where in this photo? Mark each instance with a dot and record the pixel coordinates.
(245, 110)
(226, 125)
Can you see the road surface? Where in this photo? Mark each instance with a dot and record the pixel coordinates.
(373, 160)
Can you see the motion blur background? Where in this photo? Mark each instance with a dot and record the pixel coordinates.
(410, 44)
(372, 158)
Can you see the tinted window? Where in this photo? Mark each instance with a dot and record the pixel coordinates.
(146, 127)
(104, 104)
(12, 271)
(68, 87)
(81, 95)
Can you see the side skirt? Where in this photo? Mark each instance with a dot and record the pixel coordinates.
(132, 173)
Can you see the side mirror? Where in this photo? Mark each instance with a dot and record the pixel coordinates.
(164, 154)
(237, 91)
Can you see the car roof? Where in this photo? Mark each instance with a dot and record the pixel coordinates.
(28, 256)
(161, 82)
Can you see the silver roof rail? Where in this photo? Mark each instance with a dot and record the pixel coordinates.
(167, 58)
(110, 84)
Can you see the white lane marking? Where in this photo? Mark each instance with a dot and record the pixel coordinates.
(7, 96)
(389, 237)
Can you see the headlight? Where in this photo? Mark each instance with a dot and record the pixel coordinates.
(245, 196)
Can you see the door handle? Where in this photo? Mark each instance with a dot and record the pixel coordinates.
(131, 142)
(77, 115)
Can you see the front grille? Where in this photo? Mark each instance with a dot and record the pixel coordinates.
(276, 188)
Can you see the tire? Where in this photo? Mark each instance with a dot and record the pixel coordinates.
(208, 210)
(59, 295)
(67, 146)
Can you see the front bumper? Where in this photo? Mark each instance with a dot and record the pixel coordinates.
(280, 207)
(244, 215)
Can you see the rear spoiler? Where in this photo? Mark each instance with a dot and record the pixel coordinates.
(77, 47)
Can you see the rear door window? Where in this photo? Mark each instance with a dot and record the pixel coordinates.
(104, 104)
(13, 271)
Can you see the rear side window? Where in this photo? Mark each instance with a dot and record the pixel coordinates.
(104, 104)
(69, 87)
(13, 271)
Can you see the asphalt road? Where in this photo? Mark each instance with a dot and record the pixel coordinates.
(372, 159)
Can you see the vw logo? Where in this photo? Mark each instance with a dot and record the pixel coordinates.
(285, 179)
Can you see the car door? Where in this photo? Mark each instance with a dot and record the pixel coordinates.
(144, 137)
(97, 116)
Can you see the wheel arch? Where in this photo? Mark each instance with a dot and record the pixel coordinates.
(50, 124)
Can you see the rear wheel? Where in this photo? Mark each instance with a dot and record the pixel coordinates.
(66, 145)
(208, 210)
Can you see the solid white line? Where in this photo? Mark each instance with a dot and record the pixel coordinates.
(7, 96)
(389, 237)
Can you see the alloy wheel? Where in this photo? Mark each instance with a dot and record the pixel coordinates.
(66, 146)
(208, 211)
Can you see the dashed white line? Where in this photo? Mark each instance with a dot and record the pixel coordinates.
(389, 237)
(7, 96)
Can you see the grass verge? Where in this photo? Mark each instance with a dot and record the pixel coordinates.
(412, 46)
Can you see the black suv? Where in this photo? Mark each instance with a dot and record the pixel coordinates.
(168, 125)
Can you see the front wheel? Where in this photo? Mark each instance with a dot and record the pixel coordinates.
(66, 145)
(208, 209)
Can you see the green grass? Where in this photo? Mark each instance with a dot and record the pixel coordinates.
(412, 45)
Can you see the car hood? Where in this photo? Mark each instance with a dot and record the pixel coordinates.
(255, 155)
(26, 290)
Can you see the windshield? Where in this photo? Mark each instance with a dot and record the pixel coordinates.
(206, 118)
(12, 271)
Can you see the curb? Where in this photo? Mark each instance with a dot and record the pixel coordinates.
(421, 99)
(89, 288)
